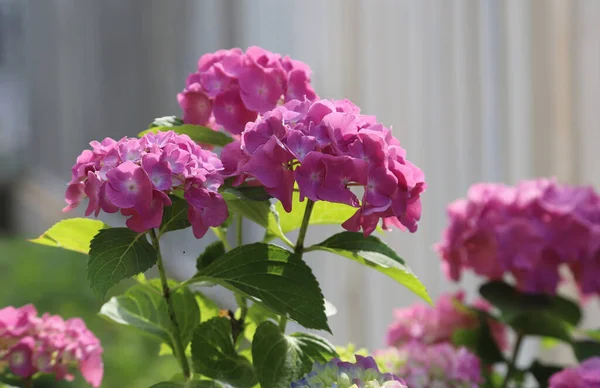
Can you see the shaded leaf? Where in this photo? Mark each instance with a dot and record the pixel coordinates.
(212, 252)
(144, 308)
(324, 213)
(541, 324)
(74, 234)
(277, 358)
(208, 308)
(481, 342)
(542, 372)
(197, 133)
(273, 277)
(511, 301)
(188, 384)
(314, 348)
(259, 212)
(175, 217)
(117, 254)
(373, 253)
(214, 355)
(250, 193)
(585, 349)
(256, 315)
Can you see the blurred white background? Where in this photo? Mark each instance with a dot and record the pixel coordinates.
(475, 91)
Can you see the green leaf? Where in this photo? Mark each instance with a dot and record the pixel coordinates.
(256, 315)
(277, 358)
(197, 133)
(166, 121)
(208, 308)
(175, 217)
(259, 212)
(314, 348)
(541, 324)
(188, 384)
(481, 342)
(542, 372)
(585, 349)
(272, 276)
(593, 334)
(324, 213)
(74, 234)
(212, 252)
(117, 254)
(373, 253)
(214, 355)
(144, 308)
(250, 193)
(510, 301)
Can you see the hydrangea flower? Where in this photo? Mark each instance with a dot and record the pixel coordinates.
(326, 147)
(527, 231)
(231, 87)
(438, 365)
(436, 324)
(48, 344)
(364, 373)
(136, 177)
(586, 375)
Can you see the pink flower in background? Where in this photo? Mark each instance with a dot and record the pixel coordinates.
(48, 344)
(326, 148)
(436, 324)
(431, 365)
(586, 375)
(136, 177)
(527, 231)
(231, 88)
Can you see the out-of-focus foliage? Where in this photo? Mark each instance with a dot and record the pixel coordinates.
(54, 281)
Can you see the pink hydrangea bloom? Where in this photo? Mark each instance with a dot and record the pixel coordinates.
(136, 177)
(48, 344)
(528, 231)
(327, 147)
(231, 87)
(439, 365)
(586, 375)
(436, 324)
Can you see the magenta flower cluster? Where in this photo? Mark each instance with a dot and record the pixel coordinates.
(135, 176)
(432, 325)
(585, 375)
(30, 344)
(439, 365)
(527, 231)
(325, 148)
(231, 87)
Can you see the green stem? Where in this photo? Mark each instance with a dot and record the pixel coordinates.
(299, 248)
(179, 349)
(512, 366)
(28, 383)
(239, 230)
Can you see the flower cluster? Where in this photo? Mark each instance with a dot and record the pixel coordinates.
(439, 365)
(585, 375)
(528, 231)
(135, 176)
(48, 344)
(326, 147)
(432, 325)
(231, 87)
(364, 373)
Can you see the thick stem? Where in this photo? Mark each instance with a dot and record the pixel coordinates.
(299, 248)
(512, 366)
(239, 231)
(179, 349)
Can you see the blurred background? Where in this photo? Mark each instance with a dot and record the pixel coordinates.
(475, 91)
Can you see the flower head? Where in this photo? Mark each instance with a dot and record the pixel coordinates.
(364, 373)
(48, 344)
(136, 177)
(437, 324)
(231, 87)
(586, 375)
(439, 365)
(527, 231)
(328, 148)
